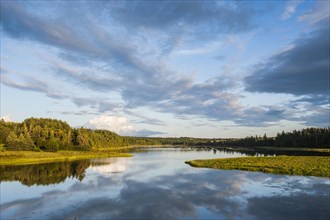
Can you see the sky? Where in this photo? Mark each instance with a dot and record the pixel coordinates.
(210, 69)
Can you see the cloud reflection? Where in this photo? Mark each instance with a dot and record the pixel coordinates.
(225, 194)
(110, 165)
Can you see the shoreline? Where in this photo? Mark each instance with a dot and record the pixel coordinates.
(14, 158)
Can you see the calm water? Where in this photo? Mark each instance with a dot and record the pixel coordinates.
(157, 184)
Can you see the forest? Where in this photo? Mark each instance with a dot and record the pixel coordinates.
(305, 138)
(52, 135)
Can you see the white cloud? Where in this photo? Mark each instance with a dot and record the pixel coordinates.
(319, 12)
(6, 118)
(290, 9)
(118, 124)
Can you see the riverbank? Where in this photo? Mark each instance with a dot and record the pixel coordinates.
(290, 165)
(32, 157)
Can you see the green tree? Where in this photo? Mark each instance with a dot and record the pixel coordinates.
(12, 142)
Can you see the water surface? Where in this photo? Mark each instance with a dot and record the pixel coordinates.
(157, 184)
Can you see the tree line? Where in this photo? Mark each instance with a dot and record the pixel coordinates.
(53, 135)
(305, 138)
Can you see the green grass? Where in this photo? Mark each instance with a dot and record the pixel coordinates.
(290, 165)
(32, 157)
(294, 149)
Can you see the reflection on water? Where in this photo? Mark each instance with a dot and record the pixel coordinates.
(158, 185)
(44, 174)
(108, 166)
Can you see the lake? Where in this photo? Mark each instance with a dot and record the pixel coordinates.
(157, 184)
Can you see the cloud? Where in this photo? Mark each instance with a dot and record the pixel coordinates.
(110, 165)
(145, 133)
(98, 45)
(6, 118)
(301, 70)
(117, 66)
(31, 84)
(118, 124)
(18, 23)
(211, 99)
(315, 99)
(82, 112)
(290, 9)
(113, 49)
(192, 16)
(262, 116)
(319, 12)
(319, 116)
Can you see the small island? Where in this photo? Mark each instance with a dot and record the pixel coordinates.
(286, 165)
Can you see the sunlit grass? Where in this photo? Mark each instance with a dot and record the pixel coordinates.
(32, 157)
(291, 165)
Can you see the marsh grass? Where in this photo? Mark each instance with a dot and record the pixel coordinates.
(32, 157)
(290, 165)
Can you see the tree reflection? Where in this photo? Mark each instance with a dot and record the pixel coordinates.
(44, 174)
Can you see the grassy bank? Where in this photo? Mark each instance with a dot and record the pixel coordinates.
(32, 157)
(291, 165)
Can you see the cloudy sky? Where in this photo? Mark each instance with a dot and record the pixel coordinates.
(167, 68)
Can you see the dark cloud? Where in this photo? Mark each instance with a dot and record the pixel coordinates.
(207, 18)
(262, 116)
(209, 99)
(301, 70)
(315, 99)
